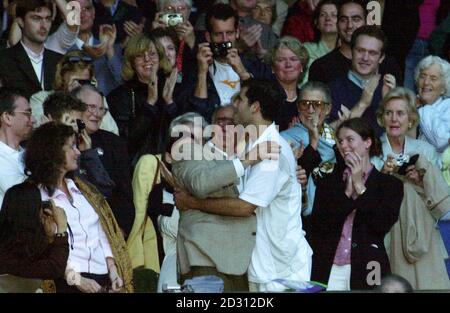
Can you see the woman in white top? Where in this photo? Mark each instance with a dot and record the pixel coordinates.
(98, 260)
(433, 84)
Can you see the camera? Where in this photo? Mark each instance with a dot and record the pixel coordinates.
(220, 49)
(404, 161)
(81, 125)
(172, 19)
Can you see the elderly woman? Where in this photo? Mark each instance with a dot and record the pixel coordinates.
(311, 132)
(433, 84)
(325, 28)
(143, 106)
(98, 259)
(416, 246)
(184, 28)
(288, 60)
(73, 70)
(33, 240)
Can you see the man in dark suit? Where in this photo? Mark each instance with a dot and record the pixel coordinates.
(113, 154)
(28, 65)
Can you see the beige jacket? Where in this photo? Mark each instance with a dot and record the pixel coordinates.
(414, 244)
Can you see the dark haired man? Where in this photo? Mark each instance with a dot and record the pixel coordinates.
(16, 123)
(363, 87)
(270, 190)
(28, 65)
(351, 15)
(218, 76)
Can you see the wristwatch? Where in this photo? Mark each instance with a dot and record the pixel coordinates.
(63, 234)
(361, 191)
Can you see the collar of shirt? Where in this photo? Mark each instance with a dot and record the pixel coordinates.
(70, 186)
(114, 7)
(80, 43)
(357, 80)
(269, 134)
(36, 57)
(5, 149)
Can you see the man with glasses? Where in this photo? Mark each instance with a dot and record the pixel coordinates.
(351, 15)
(16, 123)
(113, 154)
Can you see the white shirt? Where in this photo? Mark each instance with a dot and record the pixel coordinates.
(36, 61)
(62, 39)
(226, 80)
(11, 168)
(80, 43)
(281, 250)
(90, 244)
(435, 123)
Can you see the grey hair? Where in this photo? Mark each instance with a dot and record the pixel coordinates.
(296, 47)
(443, 65)
(162, 3)
(187, 118)
(86, 87)
(404, 94)
(218, 109)
(319, 86)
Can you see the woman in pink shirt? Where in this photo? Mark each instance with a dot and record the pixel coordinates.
(354, 208)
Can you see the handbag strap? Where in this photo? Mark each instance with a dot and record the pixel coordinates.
(155, 178)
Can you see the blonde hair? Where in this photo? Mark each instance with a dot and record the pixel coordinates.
(64, 66)
(399, 93)
(138, 45)
(296, 47)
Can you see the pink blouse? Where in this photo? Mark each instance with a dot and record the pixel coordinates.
(343, 251)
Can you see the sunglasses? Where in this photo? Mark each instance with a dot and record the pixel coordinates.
(317, 104)
(87, 82)
(76, 59)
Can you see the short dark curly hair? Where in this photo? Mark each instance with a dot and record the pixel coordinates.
(61, 102)
(44, 155)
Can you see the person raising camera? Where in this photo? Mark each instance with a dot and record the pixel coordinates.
(416, 250)
(220, 67)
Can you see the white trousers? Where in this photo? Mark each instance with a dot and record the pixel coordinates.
(339, 278)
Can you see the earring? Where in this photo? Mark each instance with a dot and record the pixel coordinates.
(409, 125)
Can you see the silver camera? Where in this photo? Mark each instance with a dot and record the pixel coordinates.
(401, 159)
(172, 19)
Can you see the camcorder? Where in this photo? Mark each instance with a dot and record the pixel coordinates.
(172, 19)
(220, 50)
(405, 161)
(81, 125)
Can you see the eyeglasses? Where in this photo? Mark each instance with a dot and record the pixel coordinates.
(317, 104)
(76, 59)
(27, 113)
(94, 109)
(86, 82)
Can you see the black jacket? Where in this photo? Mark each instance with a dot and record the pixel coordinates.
(16, 68)
(113, 154)
(140, 124)
(377, 211)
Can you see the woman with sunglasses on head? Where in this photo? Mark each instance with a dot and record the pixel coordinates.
(33, 240)
(73, 70)
(354, 208)
(98, 258)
